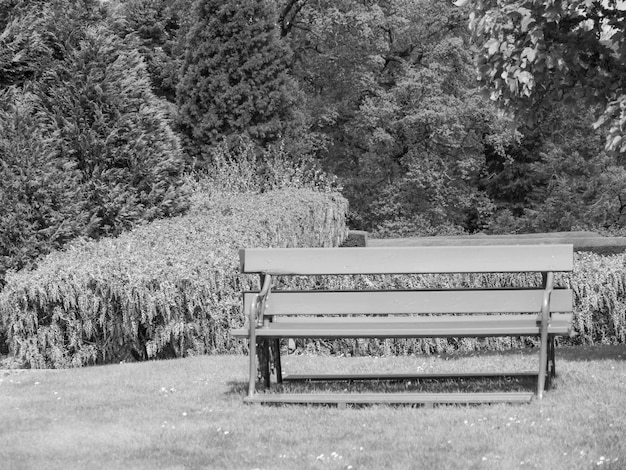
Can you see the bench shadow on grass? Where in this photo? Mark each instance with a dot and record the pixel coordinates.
(238, 388)
(500, 384)
(412, 385)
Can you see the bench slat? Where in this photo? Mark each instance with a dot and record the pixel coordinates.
(392, 398)
(406, 376)
(413, 327)
(404, 302)
(407, 260)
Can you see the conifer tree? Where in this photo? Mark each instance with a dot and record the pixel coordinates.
(41, 205)
(106, 119)
(86, 148)
(235, 76)
(33, 32)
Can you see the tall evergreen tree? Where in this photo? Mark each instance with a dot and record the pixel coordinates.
(33, 34)
(235, 76)
(159, 28)
(41, 203)
(86, 148)
(105, 118)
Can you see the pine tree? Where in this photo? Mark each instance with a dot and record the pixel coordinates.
(235, 76)
(33, 32)
(41, 206)
(86, 148)
(159, 28)
(105, 118)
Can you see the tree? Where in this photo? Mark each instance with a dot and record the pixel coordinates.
(391, 84)
(105, 118)
(235, 78)
(41, 202)
(425, 139)
(159, 28)
(557, 177)
(86, 147)
(33, 34)
(533, 54)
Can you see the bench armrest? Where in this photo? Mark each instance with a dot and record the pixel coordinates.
(548, 282)
(257, 308)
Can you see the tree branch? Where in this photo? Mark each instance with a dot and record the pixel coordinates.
(288, 15)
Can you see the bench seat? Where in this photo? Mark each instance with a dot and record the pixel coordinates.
(414, 327)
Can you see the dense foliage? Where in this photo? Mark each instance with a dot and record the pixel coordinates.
(169, 288)
(40, 203)
(158, 27)
(105, 105)
(234, 79)
(172, 287)
(238, 166)
(35, 32)
(535, 53)
(87, 147)
(388, 103)
(106, 119)
(390, 85)
(382, 95)
(557, 177)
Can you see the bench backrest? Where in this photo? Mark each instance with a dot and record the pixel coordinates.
(411, 260)
(407, 260)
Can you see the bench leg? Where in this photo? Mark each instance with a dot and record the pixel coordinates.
(543, 365)
(260, 356)
(267, 351)
(548, 282)
(252, 372)
(276, 360)
(551, 366)
(263, 348)
(553, 356)
(269, 360)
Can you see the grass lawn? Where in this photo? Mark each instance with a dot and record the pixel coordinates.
(188, 413)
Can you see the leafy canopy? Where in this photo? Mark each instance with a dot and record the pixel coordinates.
(533, 53)
(391, 86)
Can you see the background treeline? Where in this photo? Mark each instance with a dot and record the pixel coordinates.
(117, 114)
(383, 94)
(105, 105)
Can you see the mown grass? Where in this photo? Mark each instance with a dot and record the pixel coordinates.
(188, 413)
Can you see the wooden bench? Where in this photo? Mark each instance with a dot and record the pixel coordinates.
(543, 311)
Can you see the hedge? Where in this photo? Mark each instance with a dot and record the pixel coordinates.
(169, 288)
(598, 283)
(172, 288)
